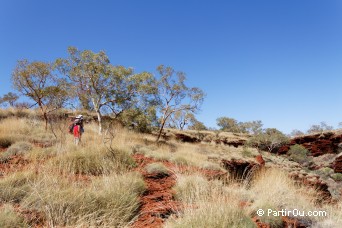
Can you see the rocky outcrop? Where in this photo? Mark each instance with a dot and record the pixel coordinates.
(317, 144)
(186, 138)
(240, 169)
(313, 181)
(337, 165)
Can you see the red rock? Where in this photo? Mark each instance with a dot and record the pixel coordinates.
(260, 160)
(337, 165)
(240, 169)
(260, 224)
(317, 144)
(315, 183)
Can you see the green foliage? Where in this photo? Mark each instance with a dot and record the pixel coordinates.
(228, 124)
(175, 97)
(158, 168)
(9, 98)
(298, 153)
(337, 176)
(326, 171)
(36, 81)
(268, 139)
(10, 218)
(111, 89)
(138, 119)
(197, 126)
(232, 125)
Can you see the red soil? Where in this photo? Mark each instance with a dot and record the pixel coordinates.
(14, 164)
(33, 217)
(157, 204)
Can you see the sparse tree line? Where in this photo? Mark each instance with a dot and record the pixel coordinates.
(89, 81)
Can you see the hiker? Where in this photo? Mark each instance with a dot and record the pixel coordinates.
(77, 129)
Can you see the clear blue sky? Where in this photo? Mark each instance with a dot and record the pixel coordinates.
(275, 61)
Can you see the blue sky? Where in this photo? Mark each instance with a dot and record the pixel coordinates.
(275, 61)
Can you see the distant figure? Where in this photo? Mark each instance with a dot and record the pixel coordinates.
(78, 129)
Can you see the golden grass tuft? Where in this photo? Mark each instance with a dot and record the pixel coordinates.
(15, 187)
(158, 168)
(10, 218)
(207, 204)
(110, 201)
(93, 160)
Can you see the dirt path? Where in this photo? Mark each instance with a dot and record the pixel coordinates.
(157, 204)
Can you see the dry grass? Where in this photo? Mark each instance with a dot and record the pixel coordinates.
(93, 160)
(110, 196)
(274, 189)
(10, 218)
(157, 168)
(15, 187)
(18, 148)
(110, 201)
(208, 204)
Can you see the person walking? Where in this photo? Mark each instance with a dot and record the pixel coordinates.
(78, 129)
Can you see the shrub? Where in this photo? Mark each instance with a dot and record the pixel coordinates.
(10, 218)
(269, 139)
(158, 168)
(19, 148)
(298, 153)
(111, 201)
(337, 176)
(326, 171)
(15, 187)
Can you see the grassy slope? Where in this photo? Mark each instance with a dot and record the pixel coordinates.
(89, 185)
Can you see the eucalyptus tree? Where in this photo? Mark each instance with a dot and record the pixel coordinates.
(175, 96)
(36, 81)
(109, 88)
(9, 99)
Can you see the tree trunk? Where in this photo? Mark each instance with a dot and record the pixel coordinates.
(161, 130)
(99, 119)
(46, 120)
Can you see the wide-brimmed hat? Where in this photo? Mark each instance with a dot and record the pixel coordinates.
(79, 117)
